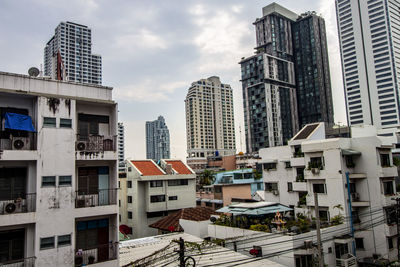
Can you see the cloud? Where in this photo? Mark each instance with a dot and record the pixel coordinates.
(142, 39)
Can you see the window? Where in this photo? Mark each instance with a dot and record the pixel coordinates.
(156, 183)
(64, 240)
(48, 181)
(287, 165)
(129, 184)
(157, 198)
(157, 214)
(12, 245)
(173, 198)
(385, 160)
(129, 214)
(269, 166)
(177, 182)
(65, 180)
(360, 243)
(388, 188)
(217, 189)
(65, 123)
(90, 234)
(119, 202)
(269, 187)
(13, 183)
(49, 122)
(319, 188)
(46, 243)
(289, 186)
(208, 204)
(129, 199)
(324, 215)
(390, 242)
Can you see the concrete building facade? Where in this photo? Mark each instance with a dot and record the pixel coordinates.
(58, 195)
(74, 42)
(121, 147)
(153, 191)
(157, 140)
(369, 39)
(311, 164)
(210, 127)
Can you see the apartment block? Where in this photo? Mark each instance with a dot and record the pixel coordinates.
(154, 191)
(121, 147)
(58, 173)
(354, 177)
(157, 140)
(74, 43)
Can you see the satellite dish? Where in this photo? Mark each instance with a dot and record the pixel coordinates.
(33, 72)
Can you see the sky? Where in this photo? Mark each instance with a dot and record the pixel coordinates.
(153, 50)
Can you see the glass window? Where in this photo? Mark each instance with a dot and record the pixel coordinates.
(319, 188)
(65, 123)
(129, 199)
(178, 182)
(64, 240)
(129, 184)
(173, 198)
(46, 243)
(289, 186)
(157, 198)
(271, 187)
(156, 183)
(65, 180)
(385, 160)
(360, 243)
(388, 188)
(48, 181)
(49, 122)
(129, 214)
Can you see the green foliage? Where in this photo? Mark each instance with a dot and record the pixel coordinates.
(314, 165)
(223, 220)
(396, 161)
(256, 174)
(338, 219)
(259, 227)
(207, 178)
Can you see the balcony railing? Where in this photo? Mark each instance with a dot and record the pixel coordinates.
(96, 143)
(10, 142)
(347, 261)
(26, 262)
(21, 204)
(100, 253)
(102, 197)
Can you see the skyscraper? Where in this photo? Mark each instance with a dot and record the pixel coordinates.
(286, 84)
(157, 140)
(210, 127)
(121, 147)
(369, 36)
(74, 43)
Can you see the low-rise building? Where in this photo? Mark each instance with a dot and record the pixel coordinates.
(354, 177)
(154, 191)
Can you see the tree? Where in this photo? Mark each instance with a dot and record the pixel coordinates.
(207, 178)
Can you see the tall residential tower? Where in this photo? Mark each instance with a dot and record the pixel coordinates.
(157, 140)
(210, 127)
(369, 36)
(74, 43)
(121, 147)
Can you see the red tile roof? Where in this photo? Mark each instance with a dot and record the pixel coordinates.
(171, 222)
(147, 167)
(179, 166)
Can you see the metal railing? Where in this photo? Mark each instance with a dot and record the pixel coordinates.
(96, 254)
(102, 197)
(26, 262)
(95, 143)
(350, 261)
(20, 204)
(11, 142)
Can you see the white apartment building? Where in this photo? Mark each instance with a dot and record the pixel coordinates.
(58, 173)
(312, 164)
(74, 42)
(369, 36)
(210, 127)
(154, 191)
(121, 147)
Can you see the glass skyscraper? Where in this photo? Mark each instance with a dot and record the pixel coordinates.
(157, 140)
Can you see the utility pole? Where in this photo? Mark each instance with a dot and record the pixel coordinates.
(398, 226)
(319, 243)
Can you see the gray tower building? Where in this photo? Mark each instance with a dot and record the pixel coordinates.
(157, 140)
(289, 48)
(74, 42)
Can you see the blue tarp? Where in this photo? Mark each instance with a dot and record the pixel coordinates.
(16, 121)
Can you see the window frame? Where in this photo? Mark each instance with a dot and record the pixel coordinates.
(50, 245)
(65, 125)
(47, 184)
(64, 243)
(48, 124)
(66, 184)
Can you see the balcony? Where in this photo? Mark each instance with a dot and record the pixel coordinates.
(96, 147)
(347, 260)
(103, 197)
(26, 262)
(99, 253)
(356, 202)
(299, 186)
(297, 162)
(387, 171)
(25, 203)
(17, 147)
(390, 229)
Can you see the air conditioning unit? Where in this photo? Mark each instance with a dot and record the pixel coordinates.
(81, 145)
(308, 244)
(11, 207)
(355, 196)
(275, 192)
(315, 170)
(20, 143)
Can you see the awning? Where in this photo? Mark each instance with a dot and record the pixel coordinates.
(350, 152)
(21, 122)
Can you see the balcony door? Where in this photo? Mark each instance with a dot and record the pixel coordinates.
(12, 183)
(12, 245)
(88, 181)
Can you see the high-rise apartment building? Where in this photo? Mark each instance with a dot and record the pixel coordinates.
(121, 147)
(58, 173)
(286, 83)
(74, 43)
(157, 140)
(369, 37)
(210, 128)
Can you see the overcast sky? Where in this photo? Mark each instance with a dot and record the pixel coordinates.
(153, 50)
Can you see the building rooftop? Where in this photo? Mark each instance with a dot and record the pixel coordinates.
(306, 131)
(147, 167)
(179, 167)
(171, 222)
